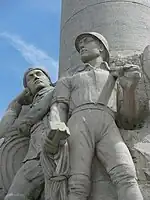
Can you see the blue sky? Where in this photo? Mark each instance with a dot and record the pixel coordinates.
(29, 35)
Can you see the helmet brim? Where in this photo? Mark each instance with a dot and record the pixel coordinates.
(79, 37)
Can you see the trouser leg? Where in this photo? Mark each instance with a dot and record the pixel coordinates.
(48, 167)
(124, 178)
(81, 150)
(79, 187)
(27, 183)
(115, 156)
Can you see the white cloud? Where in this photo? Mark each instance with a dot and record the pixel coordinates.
(32, 54)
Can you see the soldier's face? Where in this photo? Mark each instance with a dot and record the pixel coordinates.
(36, 80)
(89, 48)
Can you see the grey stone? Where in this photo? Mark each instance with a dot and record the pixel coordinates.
(85, 97)
(29, 179)
(31, 154)
(126, 26)
(124, 23)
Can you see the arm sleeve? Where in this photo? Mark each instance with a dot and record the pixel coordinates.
(9, 117)
(37, 112)
(62, 91)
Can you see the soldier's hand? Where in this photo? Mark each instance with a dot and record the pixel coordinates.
(57, 135)
(58, 131)
(117, 71)
(131, 77)
(50, 147)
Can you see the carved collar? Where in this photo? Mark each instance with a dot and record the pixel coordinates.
(41, 93)
(88, 67)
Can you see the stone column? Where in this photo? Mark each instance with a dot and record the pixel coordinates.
(125, 24)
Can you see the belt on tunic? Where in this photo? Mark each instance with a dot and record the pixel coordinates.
(93, 106)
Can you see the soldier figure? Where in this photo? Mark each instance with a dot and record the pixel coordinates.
(82, 102)
(29, 179)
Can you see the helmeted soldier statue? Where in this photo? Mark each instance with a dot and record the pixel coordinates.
(82, 102)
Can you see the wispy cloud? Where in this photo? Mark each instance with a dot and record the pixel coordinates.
(32, 54)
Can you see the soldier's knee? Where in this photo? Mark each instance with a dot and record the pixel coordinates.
(79, 185)
(15, 197)
(123, 174)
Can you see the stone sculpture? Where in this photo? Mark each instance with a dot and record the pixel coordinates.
(55, 162)
(48, 159)
(30, 176)
(13, 146)
(67, 126)
(82, 102)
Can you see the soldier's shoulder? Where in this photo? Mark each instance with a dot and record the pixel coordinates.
(71, 71)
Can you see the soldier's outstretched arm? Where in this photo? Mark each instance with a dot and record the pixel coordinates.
(58, 130)
(59, 112)
(61, 99)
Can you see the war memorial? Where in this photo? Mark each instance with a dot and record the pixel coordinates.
(87, 137)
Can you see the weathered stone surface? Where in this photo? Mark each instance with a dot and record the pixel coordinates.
(84, 96)
(125, 24)
(13, 149)
(81, 102)
(138, 142)
(141, 94)
(20, 125)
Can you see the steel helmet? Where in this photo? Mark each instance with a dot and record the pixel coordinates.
(96, 35)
